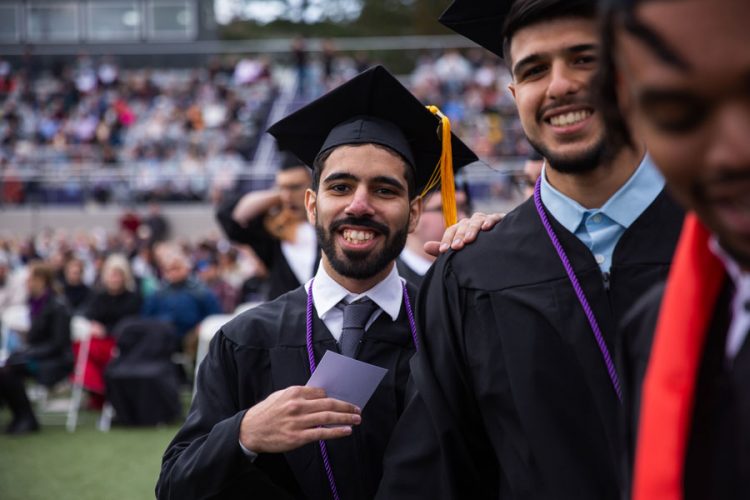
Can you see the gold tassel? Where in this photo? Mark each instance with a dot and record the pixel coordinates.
(443, 172)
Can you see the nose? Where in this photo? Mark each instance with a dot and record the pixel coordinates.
(729, 147)
(563, 81)
(360, 205)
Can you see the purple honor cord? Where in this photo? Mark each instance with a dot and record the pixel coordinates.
(313, 365)
(578, 289)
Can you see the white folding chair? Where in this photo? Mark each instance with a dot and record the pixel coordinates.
(14, 319)
(206, 331)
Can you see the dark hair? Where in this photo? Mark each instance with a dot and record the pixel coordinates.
(319, 163)
(524, 13)
(605, 87)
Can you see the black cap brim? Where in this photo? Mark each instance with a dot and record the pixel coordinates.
(479, 21)
(372, 107)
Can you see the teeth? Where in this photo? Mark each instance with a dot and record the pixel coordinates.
(569, 118)
(357, 236)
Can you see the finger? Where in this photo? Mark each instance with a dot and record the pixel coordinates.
(492, 219)
(304, 392)
(448, 237)
(330, 404)
(329, 418)
(325, 433)
(434, 248)
(474, 227)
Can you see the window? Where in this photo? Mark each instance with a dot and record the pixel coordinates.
(10, 29)
(114, 21)
(172, 20)
(53, 22)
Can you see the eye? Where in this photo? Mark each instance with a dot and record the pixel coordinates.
(533, 71)
(676, 114)
(585, 59)
(339, 188)
(384, 191)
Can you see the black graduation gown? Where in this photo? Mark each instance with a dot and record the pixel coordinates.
(717, 463)
(513, 399)
(262, 351)
(281, 278)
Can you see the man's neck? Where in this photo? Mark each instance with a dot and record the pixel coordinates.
(356, 285)
(592, 189)
(416, 246)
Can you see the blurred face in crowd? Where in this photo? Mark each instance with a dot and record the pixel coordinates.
(114, 280)
(532, 169)
(361, 211)
(74, 272)
(35, 285)
(552, 64)
(175, 269)
(690, 99)
(292, 184)
(431, 223)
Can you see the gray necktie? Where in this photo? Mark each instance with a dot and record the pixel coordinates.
(356, 315)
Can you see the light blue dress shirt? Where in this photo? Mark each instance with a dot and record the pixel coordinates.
(601, 228)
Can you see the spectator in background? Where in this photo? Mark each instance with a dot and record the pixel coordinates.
(77, 293)
(182, 301)
(117, 299)
(273, 224)
(47, 356)
(414, 261)
(227, 295)
(156, 224)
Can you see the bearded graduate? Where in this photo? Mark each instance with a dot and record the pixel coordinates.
(517, 395)
(254, 430)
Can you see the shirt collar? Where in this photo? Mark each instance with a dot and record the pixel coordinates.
(327, 293)
(733, 268)
(416, 262)
(624, 207)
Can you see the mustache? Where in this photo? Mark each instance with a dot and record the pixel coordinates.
(565, 101)
(360, 221)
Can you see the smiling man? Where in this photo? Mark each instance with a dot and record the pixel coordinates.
(517, 395)
(683, 73)
(254, 430)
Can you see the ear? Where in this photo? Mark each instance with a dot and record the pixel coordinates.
(311, 207)
(415, 212)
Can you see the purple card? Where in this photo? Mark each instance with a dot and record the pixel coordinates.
(346, 378)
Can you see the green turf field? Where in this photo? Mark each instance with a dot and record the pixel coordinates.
(121, 464)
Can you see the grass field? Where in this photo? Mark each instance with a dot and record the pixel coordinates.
(121, 464)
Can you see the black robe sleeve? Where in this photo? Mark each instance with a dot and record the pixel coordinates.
(253, 234)
(439, 447)
(205, 460)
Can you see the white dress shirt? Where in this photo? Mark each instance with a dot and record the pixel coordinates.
(740, 324)
(301, 254)
(416, 262)
(327, 293)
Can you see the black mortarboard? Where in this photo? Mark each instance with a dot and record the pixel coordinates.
(374, 108)
(479, 21)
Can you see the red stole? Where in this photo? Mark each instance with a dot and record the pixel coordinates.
(695, 280)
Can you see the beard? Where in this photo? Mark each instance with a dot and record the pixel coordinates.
(361, 265)
(585, 161)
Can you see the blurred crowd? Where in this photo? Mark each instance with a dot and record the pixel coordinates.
(187, 135)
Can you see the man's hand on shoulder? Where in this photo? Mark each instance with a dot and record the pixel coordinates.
(463, 232)
(295, 416)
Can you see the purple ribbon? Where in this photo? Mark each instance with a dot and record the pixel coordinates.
(313, 365)
(578, 289)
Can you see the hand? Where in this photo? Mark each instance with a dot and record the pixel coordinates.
(463, 232)
(98, 330)
(292, 417)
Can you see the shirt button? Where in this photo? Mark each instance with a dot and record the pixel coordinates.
(597, 218)
(599, 258)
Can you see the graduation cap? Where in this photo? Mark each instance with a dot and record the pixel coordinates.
(374, 108)
(480, 22)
